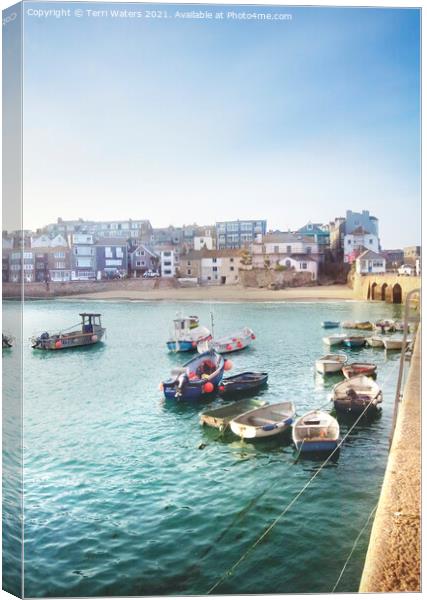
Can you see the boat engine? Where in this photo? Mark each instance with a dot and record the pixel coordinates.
(182, 381)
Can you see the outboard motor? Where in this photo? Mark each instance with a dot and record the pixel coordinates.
(182, 380)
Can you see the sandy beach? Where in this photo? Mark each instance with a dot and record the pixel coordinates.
(225, 294)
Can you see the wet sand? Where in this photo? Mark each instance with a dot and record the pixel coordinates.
(226, 294)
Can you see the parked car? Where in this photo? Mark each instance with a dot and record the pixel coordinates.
(406, 270)
(148, 274)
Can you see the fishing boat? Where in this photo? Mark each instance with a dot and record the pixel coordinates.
(90, 332)
(265, 421)
(331, 363)
(395, 342)
(197, 378)
(242, 383)
(220, 417)
(229, 343)
(186, 335)
(359, 368)
(334, 340)
(7, 341)
(364, 325)
(356, 395)
(316, 431)
(375, 341)
(330, 324)
(354, 341)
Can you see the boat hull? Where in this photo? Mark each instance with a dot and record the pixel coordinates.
(227, 345)
(194, 388)
(264, 422)
(375, 342)
(316, 447)
(65, 343)
(221, 417)
(238, 385)
(333, 340)
(354, 343)
(181, 346)
(330, 324)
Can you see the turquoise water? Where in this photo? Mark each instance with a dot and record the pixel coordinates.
(126, 494)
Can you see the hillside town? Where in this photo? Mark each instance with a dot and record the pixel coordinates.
(222, 253)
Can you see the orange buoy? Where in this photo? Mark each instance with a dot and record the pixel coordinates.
(228, 365)
(94, 338)
(208, 387)
(161, 386)
(58, 344)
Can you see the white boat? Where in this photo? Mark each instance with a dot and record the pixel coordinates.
(265, 421)
(185, 335)
(316, 431)
(334, 340)
(358, 394)
(331, 363)
(348, 325)
(229, 343)
(375, 341)
(395, 342)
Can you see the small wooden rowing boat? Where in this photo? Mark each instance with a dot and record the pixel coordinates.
(395, 342)
(265, 421)
(331, 363)
(330, 324)
(197, 378)
(229, 343)
(90, 332)
(375, 341)
(354, 341)
(242, 383)
(364, 325)
(385, 325)
(220, 417)
(348, 325)
(334, 340)
(356, 395)
(316, 431)
(359, 368)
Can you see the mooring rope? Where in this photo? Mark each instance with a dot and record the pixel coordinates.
(356, 541)
(230, 572)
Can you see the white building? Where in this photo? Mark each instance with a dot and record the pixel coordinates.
(168, 263)
(202, 241)
(45, 241)
(301, 265)
(370, 262)
(358, 240)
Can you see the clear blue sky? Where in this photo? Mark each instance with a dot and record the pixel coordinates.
(192, 120)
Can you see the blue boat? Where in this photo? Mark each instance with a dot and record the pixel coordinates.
(354, 341)
(197, 379)
(181, 345)
(316, 431)
(330, 324)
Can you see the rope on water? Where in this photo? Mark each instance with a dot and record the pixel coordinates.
(356, 541)
(230, 572)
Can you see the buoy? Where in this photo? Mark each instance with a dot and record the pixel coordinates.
(239, 344)
(208, 387)
(253, 336)
(221, 388)
(229, 347)
(58, 344)
(194, 344)
(94, 338)
(161, 386)
(228, 365)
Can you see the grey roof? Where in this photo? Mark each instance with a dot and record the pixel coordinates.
(369, 254)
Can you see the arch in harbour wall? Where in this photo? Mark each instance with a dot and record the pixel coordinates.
(380, 287)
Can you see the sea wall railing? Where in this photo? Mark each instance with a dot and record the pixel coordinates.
(408, 318)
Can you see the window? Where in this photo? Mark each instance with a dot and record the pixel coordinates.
(59, 255)
(231, 259)
(371, 241)
(348, 241)
(231, 268)
(119, 252)
(214, 269)
(167, 263)
(60, 265)
(303, 265)
(288, 249)
(276, 249)
(28, 255)
(189, 263)
(39, 265)
(188, 271)
(308, 250)
(108, 252)
(214, 260)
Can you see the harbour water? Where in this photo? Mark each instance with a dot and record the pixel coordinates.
(126, 494)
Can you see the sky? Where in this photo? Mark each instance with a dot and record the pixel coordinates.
(195, 120)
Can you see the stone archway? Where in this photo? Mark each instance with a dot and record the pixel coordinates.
(397, 294)
(383, 291)
(373, 290)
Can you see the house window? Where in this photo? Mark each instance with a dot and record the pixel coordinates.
(276, 249)
(231, 259)
(188, 271)
(188, 263)
(231, 268)
(288, 249)
(308, 250)
(167, 263)
(303, 265)
(214, 269)
(287, 263)
(59, 255)
(371, 241)
(119, 252)
(60, 265)
(214, 260)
